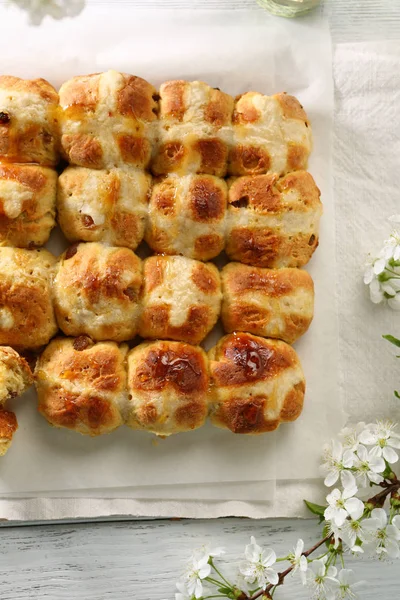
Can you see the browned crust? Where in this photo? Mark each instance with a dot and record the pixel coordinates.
(293, 404)
(170, 156)
(96, 286)
(191, 415)
(213, 156)
(244, 111)
(30, 176)
(64, 409)
(134, 150)
(155, 324)
(171, 364)
(206, 278)
(8, 424)
(153, 273)
(208, 199)
(219, 109)
(97, 369)
(32, 226)
(172, 99)
(24, 141)
(241, 314)
(297, 157)
(238, 361)
(137, 99)
(245, 415)
(208, 246)
(254, 247)
(32, 312)
(249, 160)
(41, 87)
(82, 150)
(80, 94)
(259, 193)
(291, 107)
(246, 358)
(238, 278)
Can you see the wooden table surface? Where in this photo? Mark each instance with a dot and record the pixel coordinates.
(142, 559)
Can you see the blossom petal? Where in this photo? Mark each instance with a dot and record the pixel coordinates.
(368, 438)
(204, 571)
(371, 525)
(379, 266)
(396, 521)
(272, 576)
(299, 548)
(390, 455)
(348, 480)
(393, 532)
(354, 507)
(331, 478)
(268, 557)
(392, 549)
(380, 515)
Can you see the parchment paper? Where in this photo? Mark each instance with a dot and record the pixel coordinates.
(236, 51)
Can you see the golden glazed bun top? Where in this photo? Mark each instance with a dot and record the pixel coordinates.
(27, 204)
(29, 128)
(277, 303)
(257, 383)
(168, 385)
(187, 216)
(181, 298)
(97, 291)
(82, 385)
(106, 118)
(26, 312)
(15, 374)
(271, 134)
(273, 221)
(103, 205)
(194, 129)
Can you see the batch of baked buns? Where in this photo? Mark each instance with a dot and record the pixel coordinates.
(191, 175)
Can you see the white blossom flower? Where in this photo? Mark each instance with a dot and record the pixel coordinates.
(382, 273)
(191, 582)
(382, 538)
(349, 436)
(348, 585)
(205, 552)
(384, 438)
(353, 530)
(336, 462)
(368, 467)
(321, 580)
(299, 561)
(341, 505)
(57, 9)
(258, 563)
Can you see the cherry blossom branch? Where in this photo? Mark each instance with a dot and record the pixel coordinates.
(379, 499)
(284, 574)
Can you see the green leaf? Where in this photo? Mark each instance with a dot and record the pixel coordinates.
(316, 509)
(392, 340)
(396, 393)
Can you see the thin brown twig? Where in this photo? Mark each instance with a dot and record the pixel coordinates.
(380, 498)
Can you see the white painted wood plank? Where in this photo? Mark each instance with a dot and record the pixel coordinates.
(142, 560)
